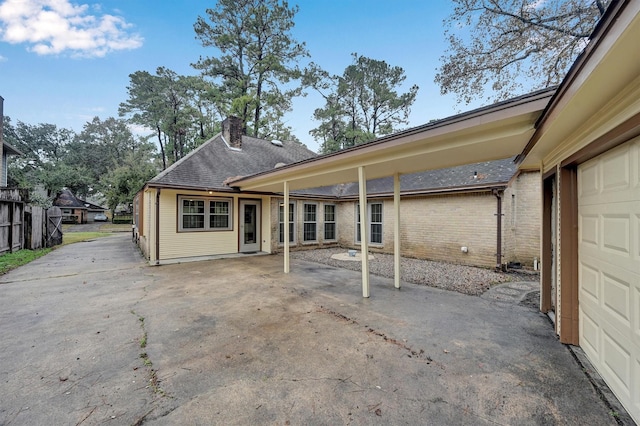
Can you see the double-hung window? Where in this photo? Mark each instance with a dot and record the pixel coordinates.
(292, 223)
(329, 222)
(374, 213)
(310, 222)
(204, 214)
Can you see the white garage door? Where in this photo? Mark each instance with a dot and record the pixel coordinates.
(609, 269)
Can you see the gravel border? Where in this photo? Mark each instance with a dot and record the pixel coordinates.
(448, 276)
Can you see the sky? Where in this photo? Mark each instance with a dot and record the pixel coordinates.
(64, 62)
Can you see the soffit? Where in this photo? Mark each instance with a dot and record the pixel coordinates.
(490, 134)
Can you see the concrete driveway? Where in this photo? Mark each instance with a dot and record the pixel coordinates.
(91, 335)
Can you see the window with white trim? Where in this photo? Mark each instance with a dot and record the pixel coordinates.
(204, 214)
(292, 223)
(310, 222)
(330, 222)
(374, 212)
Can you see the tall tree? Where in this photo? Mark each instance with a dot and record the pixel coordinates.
(506, 46)
(360, 105)
(256, 59)
(45, 148)
(180, 110)
(122, 183)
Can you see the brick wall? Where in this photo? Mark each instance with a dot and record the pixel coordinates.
(437, 227)
(521, 228)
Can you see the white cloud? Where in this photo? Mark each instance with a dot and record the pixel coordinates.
(53, 27)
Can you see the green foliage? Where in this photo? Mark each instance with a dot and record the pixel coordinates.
(122, 183)
(77, 237)
(182, 111)
(45, 149)
(122, 219)
(361, 104)
(513, 45)
(256, 58)
(9, 261)
(104, 159)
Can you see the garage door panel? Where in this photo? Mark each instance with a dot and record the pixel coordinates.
(609, 269)
(589, 229)
(589, 283)
(589, 336)
(616, 170)
(616, 358)
(616, 233)
(616, 298)
(589, 182)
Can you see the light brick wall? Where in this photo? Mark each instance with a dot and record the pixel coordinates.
(521, 227)
(435, 227)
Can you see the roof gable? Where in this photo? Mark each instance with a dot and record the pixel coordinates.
(214, 162)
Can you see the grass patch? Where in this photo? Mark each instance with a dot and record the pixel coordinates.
(115, 227)
(11, 261)
(76, 237)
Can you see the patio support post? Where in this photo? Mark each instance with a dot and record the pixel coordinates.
(396, 230)
(286, 227)
(364, 235)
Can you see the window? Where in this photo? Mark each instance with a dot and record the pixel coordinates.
(292, 224)
(310, 222)
(219, 214)
(329, 222)
(204, 214)
(374, 211)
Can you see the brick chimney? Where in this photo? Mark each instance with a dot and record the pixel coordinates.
(232, 131)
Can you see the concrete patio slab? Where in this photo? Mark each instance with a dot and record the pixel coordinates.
(91, 335)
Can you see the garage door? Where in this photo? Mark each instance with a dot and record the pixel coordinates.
(609, 269)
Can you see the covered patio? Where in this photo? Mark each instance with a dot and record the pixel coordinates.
(498, 131)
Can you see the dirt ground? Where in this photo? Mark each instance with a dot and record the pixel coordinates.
(92, 335)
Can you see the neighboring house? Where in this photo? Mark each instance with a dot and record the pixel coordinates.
(7, 149)
(75, 210)
(587, 146)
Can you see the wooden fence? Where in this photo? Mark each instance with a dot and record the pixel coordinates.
(11, 220)
(25, 226)
(43, 228)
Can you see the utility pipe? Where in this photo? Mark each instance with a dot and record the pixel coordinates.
(498, 194)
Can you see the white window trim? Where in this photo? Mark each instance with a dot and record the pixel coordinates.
(207, 214)
(292, 211)
(369, 213)
(305, 222)
(334, 221)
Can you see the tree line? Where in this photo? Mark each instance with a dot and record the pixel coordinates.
(255, 72)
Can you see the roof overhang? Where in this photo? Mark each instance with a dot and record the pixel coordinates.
(491, 133)
(601, 90)
(10, 150)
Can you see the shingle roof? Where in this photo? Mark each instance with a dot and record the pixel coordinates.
(66, 199)
(212, 163)
(487, 173)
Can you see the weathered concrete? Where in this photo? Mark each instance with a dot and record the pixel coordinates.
(236, 341)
